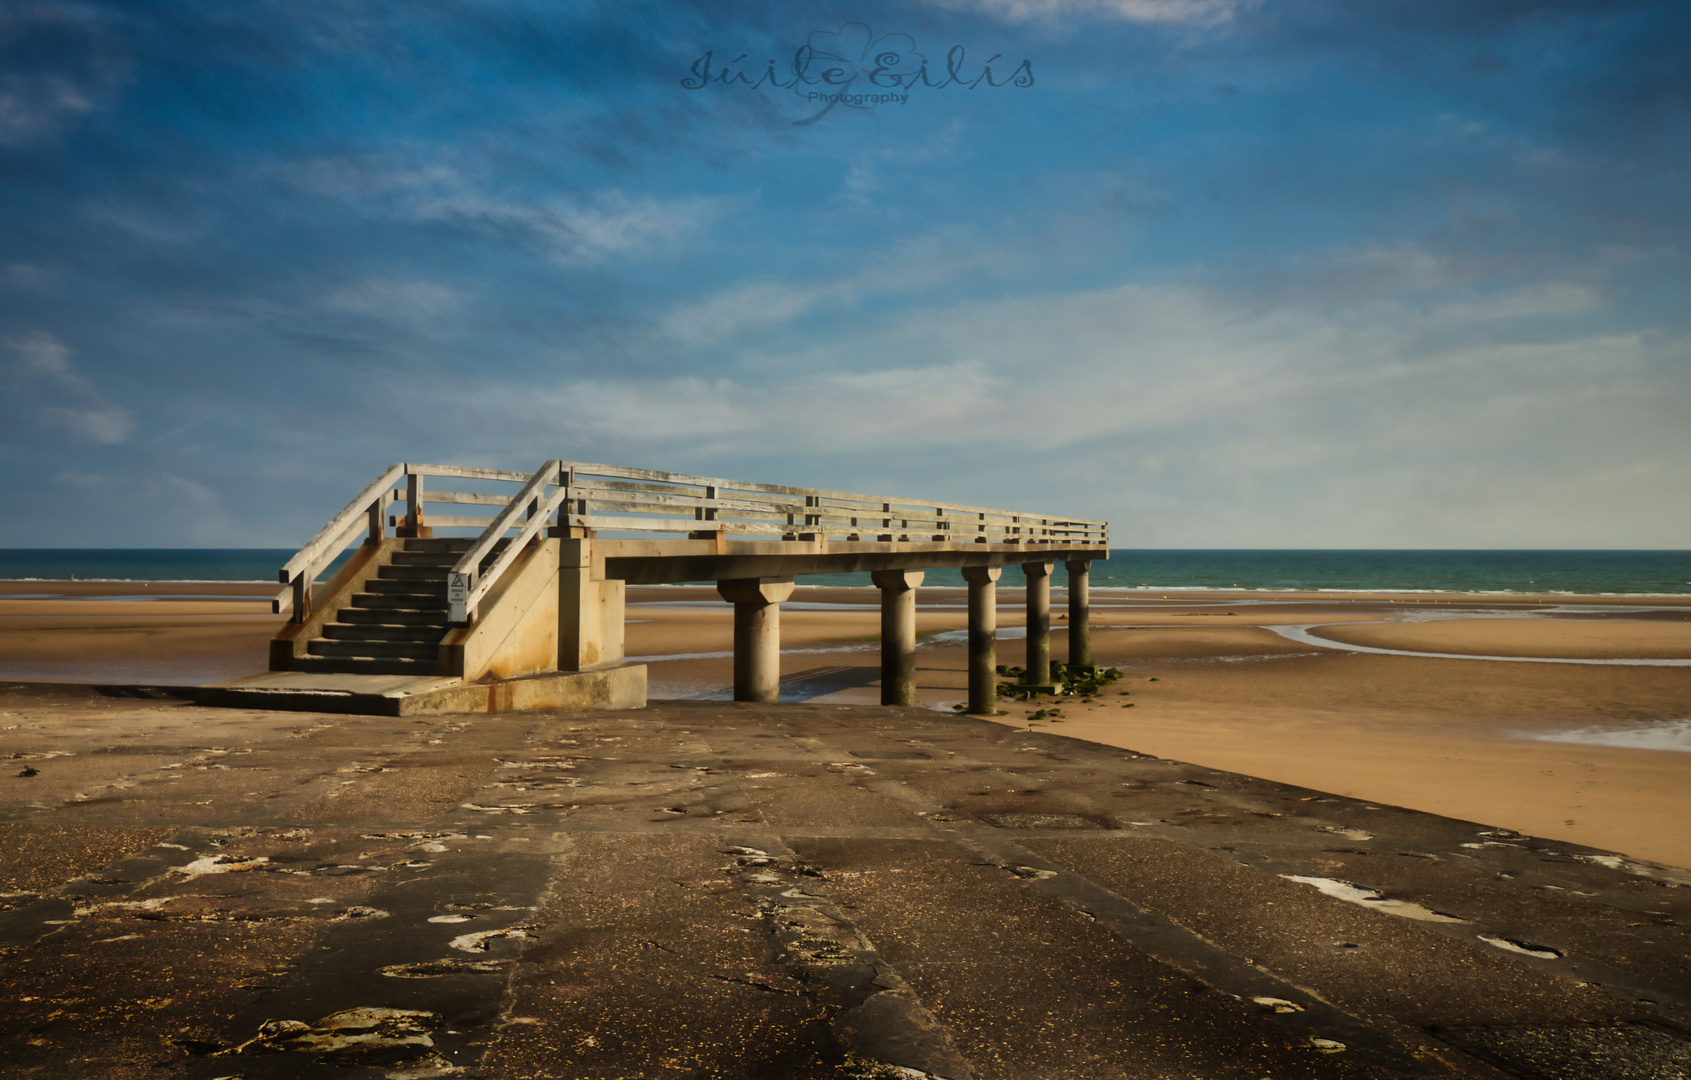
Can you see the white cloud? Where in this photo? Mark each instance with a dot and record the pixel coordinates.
(1196, 12)
(389, 298)
(21, 275)
(44, 377)
(57, 64)
(728, 315)
(918, 263)
(146, 224)
(160, 505)
(357, 176)
(584, 230)
(32, 106)
(907, 407)
(426, 183)
(1450, 419)
(1549, 298)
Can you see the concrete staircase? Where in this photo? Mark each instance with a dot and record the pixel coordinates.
(394, 626)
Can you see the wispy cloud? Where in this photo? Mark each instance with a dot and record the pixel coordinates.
(32, 106)
(910, 266)
(358, 176)
(1196, 12)
(582, 230)
(55, 67)
(1200, 401)
(154, 498)
(391, 299)
(746, 308)
(43, 375)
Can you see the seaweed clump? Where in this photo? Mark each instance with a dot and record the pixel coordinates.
(1069, 680)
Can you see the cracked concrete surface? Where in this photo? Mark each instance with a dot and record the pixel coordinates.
(709, 889)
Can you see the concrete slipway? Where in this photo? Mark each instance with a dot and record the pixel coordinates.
(719, 889)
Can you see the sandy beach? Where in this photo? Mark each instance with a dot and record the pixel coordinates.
(1594, 752)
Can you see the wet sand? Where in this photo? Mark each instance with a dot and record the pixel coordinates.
(1206, 681)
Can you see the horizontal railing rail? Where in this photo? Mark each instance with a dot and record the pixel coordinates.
(611, 497)
(588, 496)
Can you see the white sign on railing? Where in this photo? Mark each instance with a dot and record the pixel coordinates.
(458, 597)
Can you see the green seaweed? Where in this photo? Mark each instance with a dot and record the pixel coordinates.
(1071, 680)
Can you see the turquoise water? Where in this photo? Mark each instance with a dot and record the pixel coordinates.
(143, 564)
(1575, 572)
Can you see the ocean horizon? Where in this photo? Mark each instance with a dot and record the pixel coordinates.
(1529, 571)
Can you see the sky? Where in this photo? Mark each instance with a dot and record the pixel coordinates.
(1225, 273)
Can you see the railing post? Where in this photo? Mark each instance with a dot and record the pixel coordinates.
(983, 638)
(302, 598)
(378, 518)
(411, 524)
(898, 634)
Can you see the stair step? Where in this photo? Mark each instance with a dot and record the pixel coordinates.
(402, 586)
(372, 650)
(394, 626)
(413, 573)
(415, 619)
(442, 561)
(455, 544)
(417, 633)
(383, 605)
(340, 665)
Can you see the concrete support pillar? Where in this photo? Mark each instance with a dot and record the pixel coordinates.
(590, 610)
(898, 634)
(757, 634)
(1080, 608)
(1039, 623)
(983, 638)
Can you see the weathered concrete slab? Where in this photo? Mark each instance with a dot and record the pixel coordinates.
(621, 687)
(724, 890)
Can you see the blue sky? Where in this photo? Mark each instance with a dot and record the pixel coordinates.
(1410, 273)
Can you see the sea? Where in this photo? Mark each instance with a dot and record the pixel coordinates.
(1583, 572)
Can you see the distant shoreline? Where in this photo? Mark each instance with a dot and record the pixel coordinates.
(72, 588)
(1220, 572)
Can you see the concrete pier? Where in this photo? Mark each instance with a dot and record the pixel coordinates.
(757, 635)
(539, 590)
(898, 634)
(1080, 613)
(983, 638)
(1038, 671)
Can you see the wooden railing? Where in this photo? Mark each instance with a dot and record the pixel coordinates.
(609, 497)
(366, 516)
(612, 498)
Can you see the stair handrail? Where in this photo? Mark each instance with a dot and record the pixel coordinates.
(300, 571)
(465, 584)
